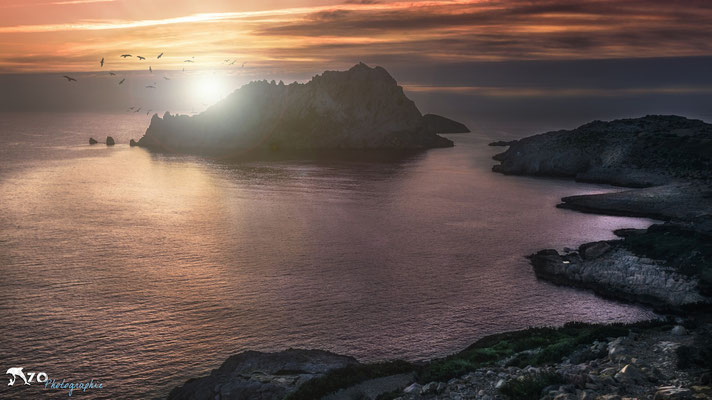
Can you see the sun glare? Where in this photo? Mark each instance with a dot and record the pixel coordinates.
(207, 89)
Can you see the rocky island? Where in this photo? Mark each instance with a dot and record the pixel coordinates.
(359, 109)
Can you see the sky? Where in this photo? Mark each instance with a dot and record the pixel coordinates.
(500, 50)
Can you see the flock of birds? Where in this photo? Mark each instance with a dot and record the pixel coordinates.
(150, 69)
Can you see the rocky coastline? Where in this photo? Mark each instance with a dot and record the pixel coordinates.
(667, 266)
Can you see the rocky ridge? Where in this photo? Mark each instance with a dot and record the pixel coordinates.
(637, 152)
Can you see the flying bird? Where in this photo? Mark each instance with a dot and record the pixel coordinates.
(69, 78)
(141, 58)
(125, 55)
(148, 112)
(166, 78)
(112, 74)
(130, 108)
(150, 87)
(122, 81)
(188, 61)
(139, 109)
(233, 61)
(102, 62)
(160, 55)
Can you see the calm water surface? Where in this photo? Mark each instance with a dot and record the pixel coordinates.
(142, 270)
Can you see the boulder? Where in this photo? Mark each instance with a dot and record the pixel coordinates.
(672, 393)
(679, 330)
(413, 388)
(110, 141)
(92, 141)
(133, 143)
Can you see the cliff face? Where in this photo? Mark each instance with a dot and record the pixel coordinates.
(636, 152)
(362, 108)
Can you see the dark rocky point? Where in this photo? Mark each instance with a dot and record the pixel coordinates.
(439, 124)
(133, 143)
(359, 109)
(258, 375)
(92, 141)
(110, 141)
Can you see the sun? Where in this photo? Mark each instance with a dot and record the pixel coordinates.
(208, 88)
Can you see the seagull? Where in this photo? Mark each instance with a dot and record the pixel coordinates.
(150, 69)
(102, 62)
(150, 87)
(69, 78)
(227, 61)
(188, 61)
(112, 74)
(160, 55)
(139, 109)
(166, 78)
(148, 112)
(122, 81)
(130, 108)
(125, 55)
(141, 58)
(233, 61)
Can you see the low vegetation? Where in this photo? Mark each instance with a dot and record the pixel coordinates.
(545, 345)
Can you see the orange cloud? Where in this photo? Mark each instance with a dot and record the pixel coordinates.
(339, 34)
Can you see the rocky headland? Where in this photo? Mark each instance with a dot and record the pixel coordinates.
(668, 159)
(636, 152)
(363, 108)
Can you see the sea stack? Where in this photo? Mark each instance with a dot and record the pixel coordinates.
(109, 141)
(92, 141)
(359, 109)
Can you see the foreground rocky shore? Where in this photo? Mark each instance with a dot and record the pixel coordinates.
(654, 360)
(667, 266)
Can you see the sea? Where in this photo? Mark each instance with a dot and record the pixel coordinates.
(140, 270)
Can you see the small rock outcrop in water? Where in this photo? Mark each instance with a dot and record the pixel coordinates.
(638, 152)
(110, 141)
(257, 375)
(92, 141)
(132, 143)
(439, 124)
(362, 108)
